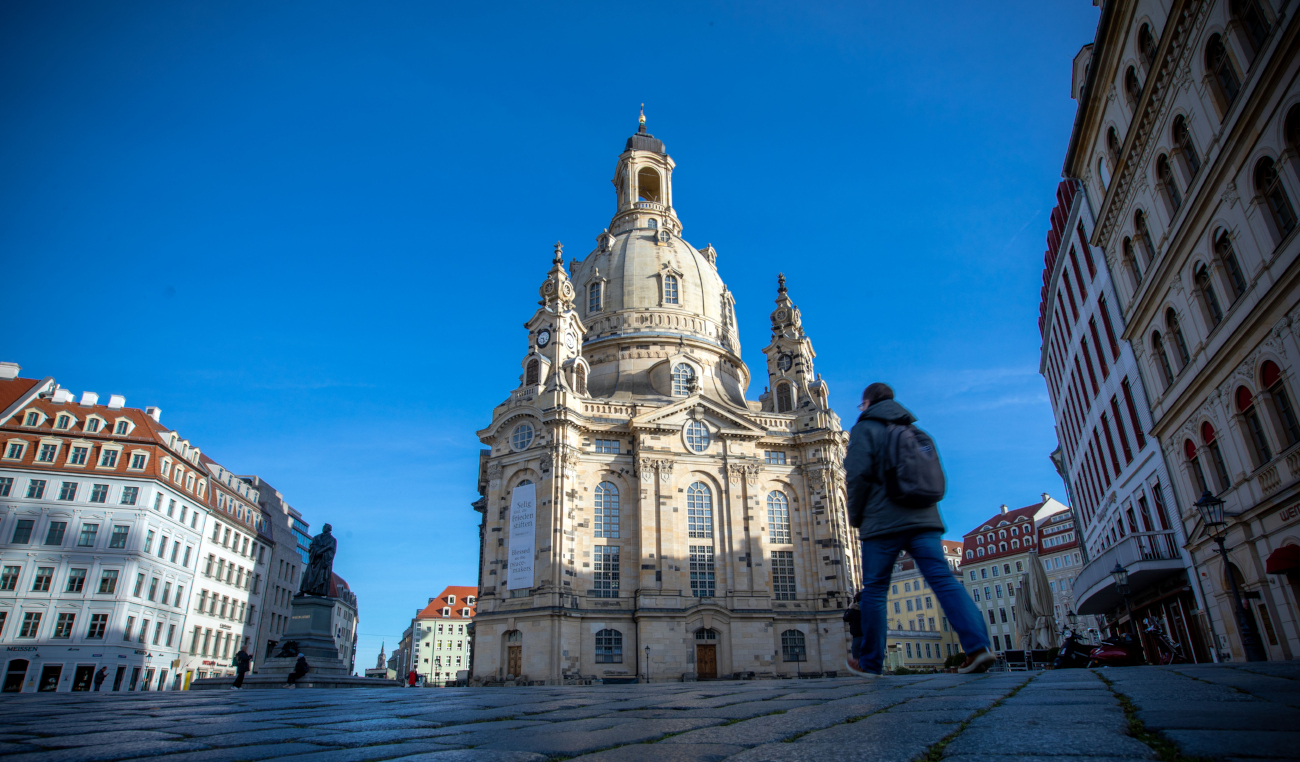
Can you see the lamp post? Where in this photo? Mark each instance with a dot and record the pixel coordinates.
(1120, 575)
(1072, 621)
(1216, 525)
(647, 664)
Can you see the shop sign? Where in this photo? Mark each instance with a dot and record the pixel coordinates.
(21, 648)
(209, 663)
(1288, 515)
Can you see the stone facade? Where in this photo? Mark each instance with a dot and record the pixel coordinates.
(680, 528)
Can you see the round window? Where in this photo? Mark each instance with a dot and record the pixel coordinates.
(522, 436)
(697, 436)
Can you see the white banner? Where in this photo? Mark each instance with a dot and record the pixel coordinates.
(523, 537)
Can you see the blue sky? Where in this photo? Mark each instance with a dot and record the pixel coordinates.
(310, 231)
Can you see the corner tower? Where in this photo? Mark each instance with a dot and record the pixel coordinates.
(659, 506)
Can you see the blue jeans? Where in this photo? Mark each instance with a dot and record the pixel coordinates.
(878, 557)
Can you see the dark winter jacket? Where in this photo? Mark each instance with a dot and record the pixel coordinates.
(870, 509)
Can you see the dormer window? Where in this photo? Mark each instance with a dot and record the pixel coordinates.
(121, 428)
(451, 600)
(92, 425)
(683, 379)
(63, 422)
(465, 613)
(108, 459)
(469, 599)
(446, 613)
(670, 289)
(33, 418)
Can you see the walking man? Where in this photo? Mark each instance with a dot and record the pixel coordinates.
(300, 670)
(889, 478)
(99, 677)
(242, 662)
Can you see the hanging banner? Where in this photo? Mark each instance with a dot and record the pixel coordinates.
(523, 537)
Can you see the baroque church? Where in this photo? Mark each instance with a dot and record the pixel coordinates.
(643, 519)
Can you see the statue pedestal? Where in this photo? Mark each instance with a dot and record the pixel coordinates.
(311, 625)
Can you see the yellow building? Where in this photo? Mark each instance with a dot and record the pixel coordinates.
(920, 636)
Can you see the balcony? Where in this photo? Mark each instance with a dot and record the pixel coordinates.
(1149, 558)
(653, 206)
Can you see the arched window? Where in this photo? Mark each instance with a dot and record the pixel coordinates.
(1269, 184)
(647, 185)
(980, 551)
(970, 555)
(606, 505)
(514, 636)
(1132, 263)
(1223, 248)
(1113, 146)
(1194, 466)
(652, 223)
(1162, 358)
(522, 436)
(1169, 188)
(1175, 330)
(697, 436)
(1103, 172)
(992, 538)
(1224, 80)
(532, 373)
(792, 646)
(699, 511)
(1132, 88)
(593, 297)
(670, 289)
(778, 518)
(1186, 148)
(1144, 236)
(1015, 544)
(1003, 534)
(1205, 289)
(1271, 378)
(580, 380)
(1002, 546)
(1216, 456)
(1147, 46)
(783, 401)
(609, 647)
(1254, 24)
(1254, 427)
(683, 380)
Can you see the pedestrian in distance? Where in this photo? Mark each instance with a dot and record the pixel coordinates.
(411, 677)
(895, 481)
(300, 670)
(242, 662)
(853, 618)
(100, 676)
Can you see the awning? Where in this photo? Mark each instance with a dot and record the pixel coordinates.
(1284, 559)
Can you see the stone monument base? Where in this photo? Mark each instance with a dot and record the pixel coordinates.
(263, 681)
(311, 626)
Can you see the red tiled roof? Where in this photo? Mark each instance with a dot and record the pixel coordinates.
(14, 389)
(435, 607)
(1018, 517)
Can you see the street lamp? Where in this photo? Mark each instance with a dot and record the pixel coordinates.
(1216, 525)
(1120, 575)
(1072, 620)
(647, 664)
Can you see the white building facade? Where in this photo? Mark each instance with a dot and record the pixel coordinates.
(101, 511)
(1186, 144)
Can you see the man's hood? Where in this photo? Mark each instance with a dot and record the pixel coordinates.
(888, 411)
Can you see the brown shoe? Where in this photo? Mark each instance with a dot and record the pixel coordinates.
(977, 662)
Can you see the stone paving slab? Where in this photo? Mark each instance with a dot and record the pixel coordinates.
(1246, 711)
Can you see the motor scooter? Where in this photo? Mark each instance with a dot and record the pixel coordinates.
(1120, 651)
(1073, 653)
(1169, 652)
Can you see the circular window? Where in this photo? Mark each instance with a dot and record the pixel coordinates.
(697, 436)
(522, 436)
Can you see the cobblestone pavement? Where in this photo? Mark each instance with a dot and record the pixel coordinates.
(1239, 711)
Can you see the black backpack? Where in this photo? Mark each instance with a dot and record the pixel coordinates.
(913, 477)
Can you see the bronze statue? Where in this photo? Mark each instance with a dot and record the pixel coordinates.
(320, 564)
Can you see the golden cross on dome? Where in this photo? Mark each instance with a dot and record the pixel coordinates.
(642, 113)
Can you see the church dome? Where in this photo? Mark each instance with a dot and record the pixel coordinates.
(672, 287)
